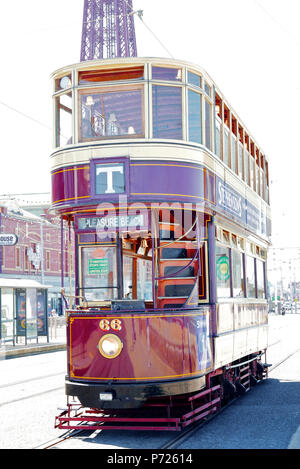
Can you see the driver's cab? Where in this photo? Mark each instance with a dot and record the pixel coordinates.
(151, 257)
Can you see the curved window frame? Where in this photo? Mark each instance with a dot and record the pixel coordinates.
(183, 120)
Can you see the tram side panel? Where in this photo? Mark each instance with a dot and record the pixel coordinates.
(241, 329)
(155, 346)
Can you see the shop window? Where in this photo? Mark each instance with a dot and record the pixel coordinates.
(18, 258)
(26, 263)
(117, 113)
(167, 112)
(195, 117)
(223, 272)
(47, 260)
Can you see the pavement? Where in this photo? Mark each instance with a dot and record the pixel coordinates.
(55, 342)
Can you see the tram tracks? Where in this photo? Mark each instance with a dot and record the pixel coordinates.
(37, 378)
(32, 395)
(174, 442)
(178, 439)
(189, 432)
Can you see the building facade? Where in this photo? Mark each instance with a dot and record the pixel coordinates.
(36, 254)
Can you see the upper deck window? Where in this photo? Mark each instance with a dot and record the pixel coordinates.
(98, 76)
(63, 105)
(168, 74)
(195, 116)
(167, 112)
(63, 83)
(226, 116)
(111, 113)
(194, 79)
(218, 106)
(207, 89)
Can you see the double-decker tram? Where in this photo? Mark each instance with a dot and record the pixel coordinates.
(168, 196)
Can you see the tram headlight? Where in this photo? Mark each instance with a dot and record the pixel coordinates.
(110, 346)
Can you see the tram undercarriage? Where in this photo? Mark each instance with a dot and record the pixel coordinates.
(169, 411)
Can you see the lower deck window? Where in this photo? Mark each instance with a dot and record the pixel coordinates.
(250, 273)
(260, 274)
(107, 271)
(237, 274)
(223, 272)
(99, 273)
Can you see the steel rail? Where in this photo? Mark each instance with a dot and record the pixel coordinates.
(173, 443)
(37, 378)
(189, 432)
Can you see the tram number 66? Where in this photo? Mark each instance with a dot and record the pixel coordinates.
(106, 325)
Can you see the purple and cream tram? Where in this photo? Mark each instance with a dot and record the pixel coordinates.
(168, 196)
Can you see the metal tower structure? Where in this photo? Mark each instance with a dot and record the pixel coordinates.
(108, 30)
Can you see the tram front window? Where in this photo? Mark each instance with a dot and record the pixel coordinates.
(99, 273)
(107, 274)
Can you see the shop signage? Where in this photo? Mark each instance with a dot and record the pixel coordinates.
(8, 239)
(121, 221)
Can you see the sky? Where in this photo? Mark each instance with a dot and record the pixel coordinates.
(250, 48)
